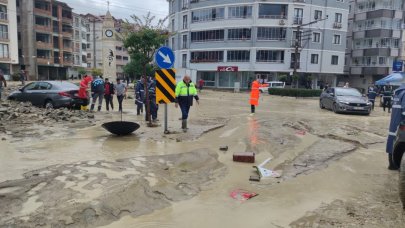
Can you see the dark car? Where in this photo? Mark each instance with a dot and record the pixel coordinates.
(399, 160)
(48, 94)
(344, 100)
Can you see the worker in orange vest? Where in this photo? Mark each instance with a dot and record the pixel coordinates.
(254, 95)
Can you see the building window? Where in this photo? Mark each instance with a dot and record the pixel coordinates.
(173, 25)
(173, 44)
(211, 14)
(184, 4)
(336, 39)
(4, 51)
(338, 17)
(382, 60)
(273, 11)
(316, 37)
(207, 56)
(238, 56)
(209, 35)
(271, 33)
(318, 15)
(335, 60)
(314, 58)
(298, 16)
(239, 34)
(240, 12)
(4, 32)
(184, 43)
(184, 61)
(185, 22)
(270, 56)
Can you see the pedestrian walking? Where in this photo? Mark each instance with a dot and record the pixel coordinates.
(398, 111)
(2, 82)
(152, 100)
(372, 94)
(200, 85)
(387, 98)
(109, 90)
(121, 90)
(84, 84)
(22, 77)
(140, 96)
(97, 93)
(185, 92)
(254, 96)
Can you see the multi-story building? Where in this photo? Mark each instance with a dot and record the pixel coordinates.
(46, 44)
(8, 37)
(373, 41)
(81, 44)
(95, 55)
(225, 41)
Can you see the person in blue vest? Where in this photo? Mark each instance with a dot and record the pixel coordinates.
(139, 95)
(387, 98)
(372, 94)
(152, 99)
(397, 115)
(97, 92)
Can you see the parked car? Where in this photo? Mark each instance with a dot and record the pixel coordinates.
(48, 94)
(264, 88)
(344, 100)
(399, 159)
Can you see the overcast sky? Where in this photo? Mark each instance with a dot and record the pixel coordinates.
(120, 8)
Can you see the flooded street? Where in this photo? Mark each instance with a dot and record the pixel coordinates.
(75, 174)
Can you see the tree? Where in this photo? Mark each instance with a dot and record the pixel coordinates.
(82, 71)
(142, 44)
(135, 69)
(96, 72)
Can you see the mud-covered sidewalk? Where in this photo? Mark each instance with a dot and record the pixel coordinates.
(61, 169)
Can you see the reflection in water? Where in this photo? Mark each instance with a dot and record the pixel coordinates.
(253, 133)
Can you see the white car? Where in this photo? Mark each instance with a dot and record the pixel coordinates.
(264, 88)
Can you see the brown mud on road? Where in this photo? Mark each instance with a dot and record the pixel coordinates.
(333, 169)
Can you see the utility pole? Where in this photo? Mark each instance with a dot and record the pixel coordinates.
(94, 42)
(298, 40)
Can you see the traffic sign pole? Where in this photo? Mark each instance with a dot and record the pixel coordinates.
(166, 127)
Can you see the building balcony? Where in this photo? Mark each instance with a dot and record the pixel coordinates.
(4, 37)
(44, 61)
(42, 12)
(44, 45)
(292, 65)
(68, 62)
(4, 1)
(3, 17)
(67, 20)
(67, 49)
(43, 28)
(5, 59)
(67, 35)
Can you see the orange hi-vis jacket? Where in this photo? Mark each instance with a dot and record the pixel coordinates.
(255, 93)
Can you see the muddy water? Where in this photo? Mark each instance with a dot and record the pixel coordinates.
(294, 133)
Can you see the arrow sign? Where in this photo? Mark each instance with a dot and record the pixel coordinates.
(164, 58)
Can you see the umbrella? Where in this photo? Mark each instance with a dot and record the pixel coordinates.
(121, 127)
(392, 79)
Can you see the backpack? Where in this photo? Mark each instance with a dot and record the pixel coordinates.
(112, 88)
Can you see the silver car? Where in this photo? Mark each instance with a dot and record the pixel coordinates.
(344, 100)
(48, 94)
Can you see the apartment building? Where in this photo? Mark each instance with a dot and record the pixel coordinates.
(224, 42)
(373, 41)
(95, 53)
(45, 30)
(8, 37)
(81, 44)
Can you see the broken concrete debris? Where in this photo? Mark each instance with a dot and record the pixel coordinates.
(247, 157)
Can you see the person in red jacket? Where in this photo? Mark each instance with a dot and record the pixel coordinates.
(84, 85)
(254, 95)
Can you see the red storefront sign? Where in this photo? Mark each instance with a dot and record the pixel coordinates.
(227, 69)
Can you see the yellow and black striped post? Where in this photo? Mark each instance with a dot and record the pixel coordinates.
(165, 89)
(165, 86)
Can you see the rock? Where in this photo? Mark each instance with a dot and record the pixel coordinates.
(3, 110)
(223, 148)
(90, 116)
(4, 104)
(3, 139)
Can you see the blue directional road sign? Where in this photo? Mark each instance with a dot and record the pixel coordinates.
(164, 58)
(397, 66)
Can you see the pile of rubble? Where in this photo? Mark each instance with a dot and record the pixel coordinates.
(26, 112)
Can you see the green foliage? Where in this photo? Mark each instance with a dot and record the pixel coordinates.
(283, 78)
(96, 72)
(295, 92)
(135, 69)
(82, 71)
(15, 77)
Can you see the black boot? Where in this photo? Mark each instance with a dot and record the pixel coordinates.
(99, 108)
(391, 165)
(92, 107)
